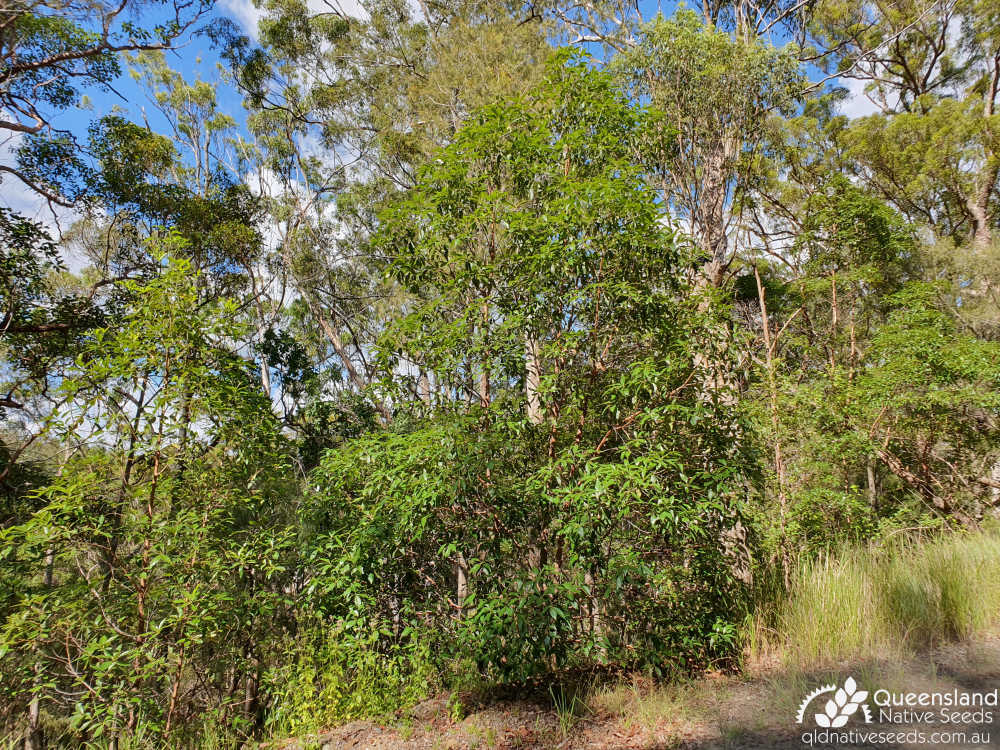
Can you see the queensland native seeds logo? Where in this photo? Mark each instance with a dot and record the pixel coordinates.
(840, 707)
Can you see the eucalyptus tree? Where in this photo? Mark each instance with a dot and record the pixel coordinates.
(49, 50)
(615, 24)
(138, 183)
(189, 179)
(716, 93)
(51, 55)
(932, 71)
(900, 51)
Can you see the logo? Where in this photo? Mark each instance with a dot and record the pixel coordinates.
(839, 708)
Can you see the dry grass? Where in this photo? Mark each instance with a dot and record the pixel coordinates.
(887, 601)
(644, 704)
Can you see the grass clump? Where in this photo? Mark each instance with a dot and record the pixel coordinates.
(890, 600)
(831, 609)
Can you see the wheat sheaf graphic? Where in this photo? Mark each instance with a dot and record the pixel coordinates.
(840, 708)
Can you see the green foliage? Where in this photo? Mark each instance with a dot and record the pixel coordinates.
(931, 162)
(32, 306)
(584, 530)
(881, 403)
(715, 94)
(848, 232)
(701, 76)
(40, 331)
(145, 567)
(890, 600)
(415, 381)
(51, 48)
(321, 680)
(896, 433)
(397, 511)
(141, 176)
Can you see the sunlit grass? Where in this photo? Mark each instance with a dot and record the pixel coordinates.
(888, 601)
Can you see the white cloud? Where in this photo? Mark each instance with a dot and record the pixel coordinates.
(248, 15)
(857, 104)
(245, 13)
(21, 199)
(16, 195)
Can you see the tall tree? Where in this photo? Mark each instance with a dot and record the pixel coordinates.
(716, 93)
(539, 538)
(373, 95)
(49, 49)
(933, 69)
(160, 551)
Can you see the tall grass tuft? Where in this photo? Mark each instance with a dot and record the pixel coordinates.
(831, 610)
(889, 600)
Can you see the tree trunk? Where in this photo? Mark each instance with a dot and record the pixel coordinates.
(779, 462)
(265, 378)
(710, 212)
(462, 584)
(978, 206)
(424, 388)
(333, 336)
(533, 379)
(872, 487)
(594, 625)
(484, 375)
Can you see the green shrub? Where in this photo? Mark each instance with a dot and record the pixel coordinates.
(322, 680)
(586, 507)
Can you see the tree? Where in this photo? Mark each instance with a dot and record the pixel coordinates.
(154, 568)
(615, 25)
(375, 94)
(561, 521)
(42, 322)
(938, 166)
(816, 317)
(716, 93)
(905, 433)
(934, 71)
(902, 51)
(47, 49)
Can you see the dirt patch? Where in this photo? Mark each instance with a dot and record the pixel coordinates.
(714, 713)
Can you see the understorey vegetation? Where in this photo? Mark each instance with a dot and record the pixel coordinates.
(487, 344)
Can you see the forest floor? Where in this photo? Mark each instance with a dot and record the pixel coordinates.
(752, 711)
